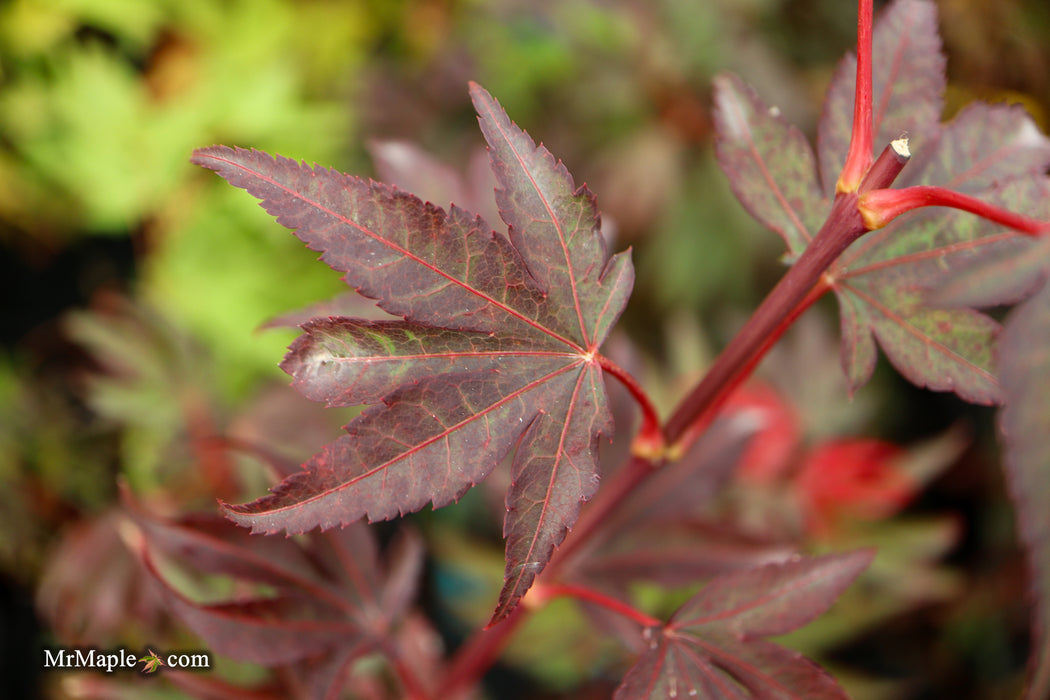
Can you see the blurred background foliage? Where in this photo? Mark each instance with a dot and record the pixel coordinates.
(134, 285)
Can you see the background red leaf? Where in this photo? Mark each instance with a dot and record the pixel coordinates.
(1023, 420)
(711, 647)
(1025, 424)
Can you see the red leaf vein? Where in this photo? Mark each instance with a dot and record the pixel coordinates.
(938, 347)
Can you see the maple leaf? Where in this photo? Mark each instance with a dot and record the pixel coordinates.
(881, 280)
(496, 349)
(1024, 421)
(329, 600)
(1025, 424)
(713, 646)
(151, 662)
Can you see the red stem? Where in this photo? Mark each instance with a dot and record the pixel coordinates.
(887, 166)
(796, 290)
(650, 439)
(553, 590)
(724, 389)
(879, 207)
(859, 157)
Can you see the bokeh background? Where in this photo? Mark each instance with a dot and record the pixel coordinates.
(133, 285)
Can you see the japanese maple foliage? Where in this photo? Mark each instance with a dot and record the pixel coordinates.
(990, 160)
(331, 601)
(497, 351)
(493, 350)
(713, 648)
(984, 151)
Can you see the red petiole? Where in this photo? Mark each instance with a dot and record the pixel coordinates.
(879, 207)
(859, 157)
(546, 592)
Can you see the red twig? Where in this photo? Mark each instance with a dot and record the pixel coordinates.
(722, 387)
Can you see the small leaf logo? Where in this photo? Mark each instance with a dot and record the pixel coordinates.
(152, 662)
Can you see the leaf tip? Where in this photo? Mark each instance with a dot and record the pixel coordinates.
(201, 156)
(478, 94)
(241, 516)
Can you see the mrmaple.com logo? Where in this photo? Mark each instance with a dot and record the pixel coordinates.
(123, 660)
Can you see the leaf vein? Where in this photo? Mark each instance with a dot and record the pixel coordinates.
(926, 340)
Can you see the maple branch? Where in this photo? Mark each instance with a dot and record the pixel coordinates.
(650, 439)
(547, 592)
(859, 157)
(880, 207)
(794, 293)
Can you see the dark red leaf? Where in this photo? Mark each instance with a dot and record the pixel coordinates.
(678, 554)
(722, 668)
(555, 227)
(270, 631)
(772, 599)
(1025, 424)
(769, 163)
(712, 647)
(327, 595)
(882, 281)
(497, 351)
